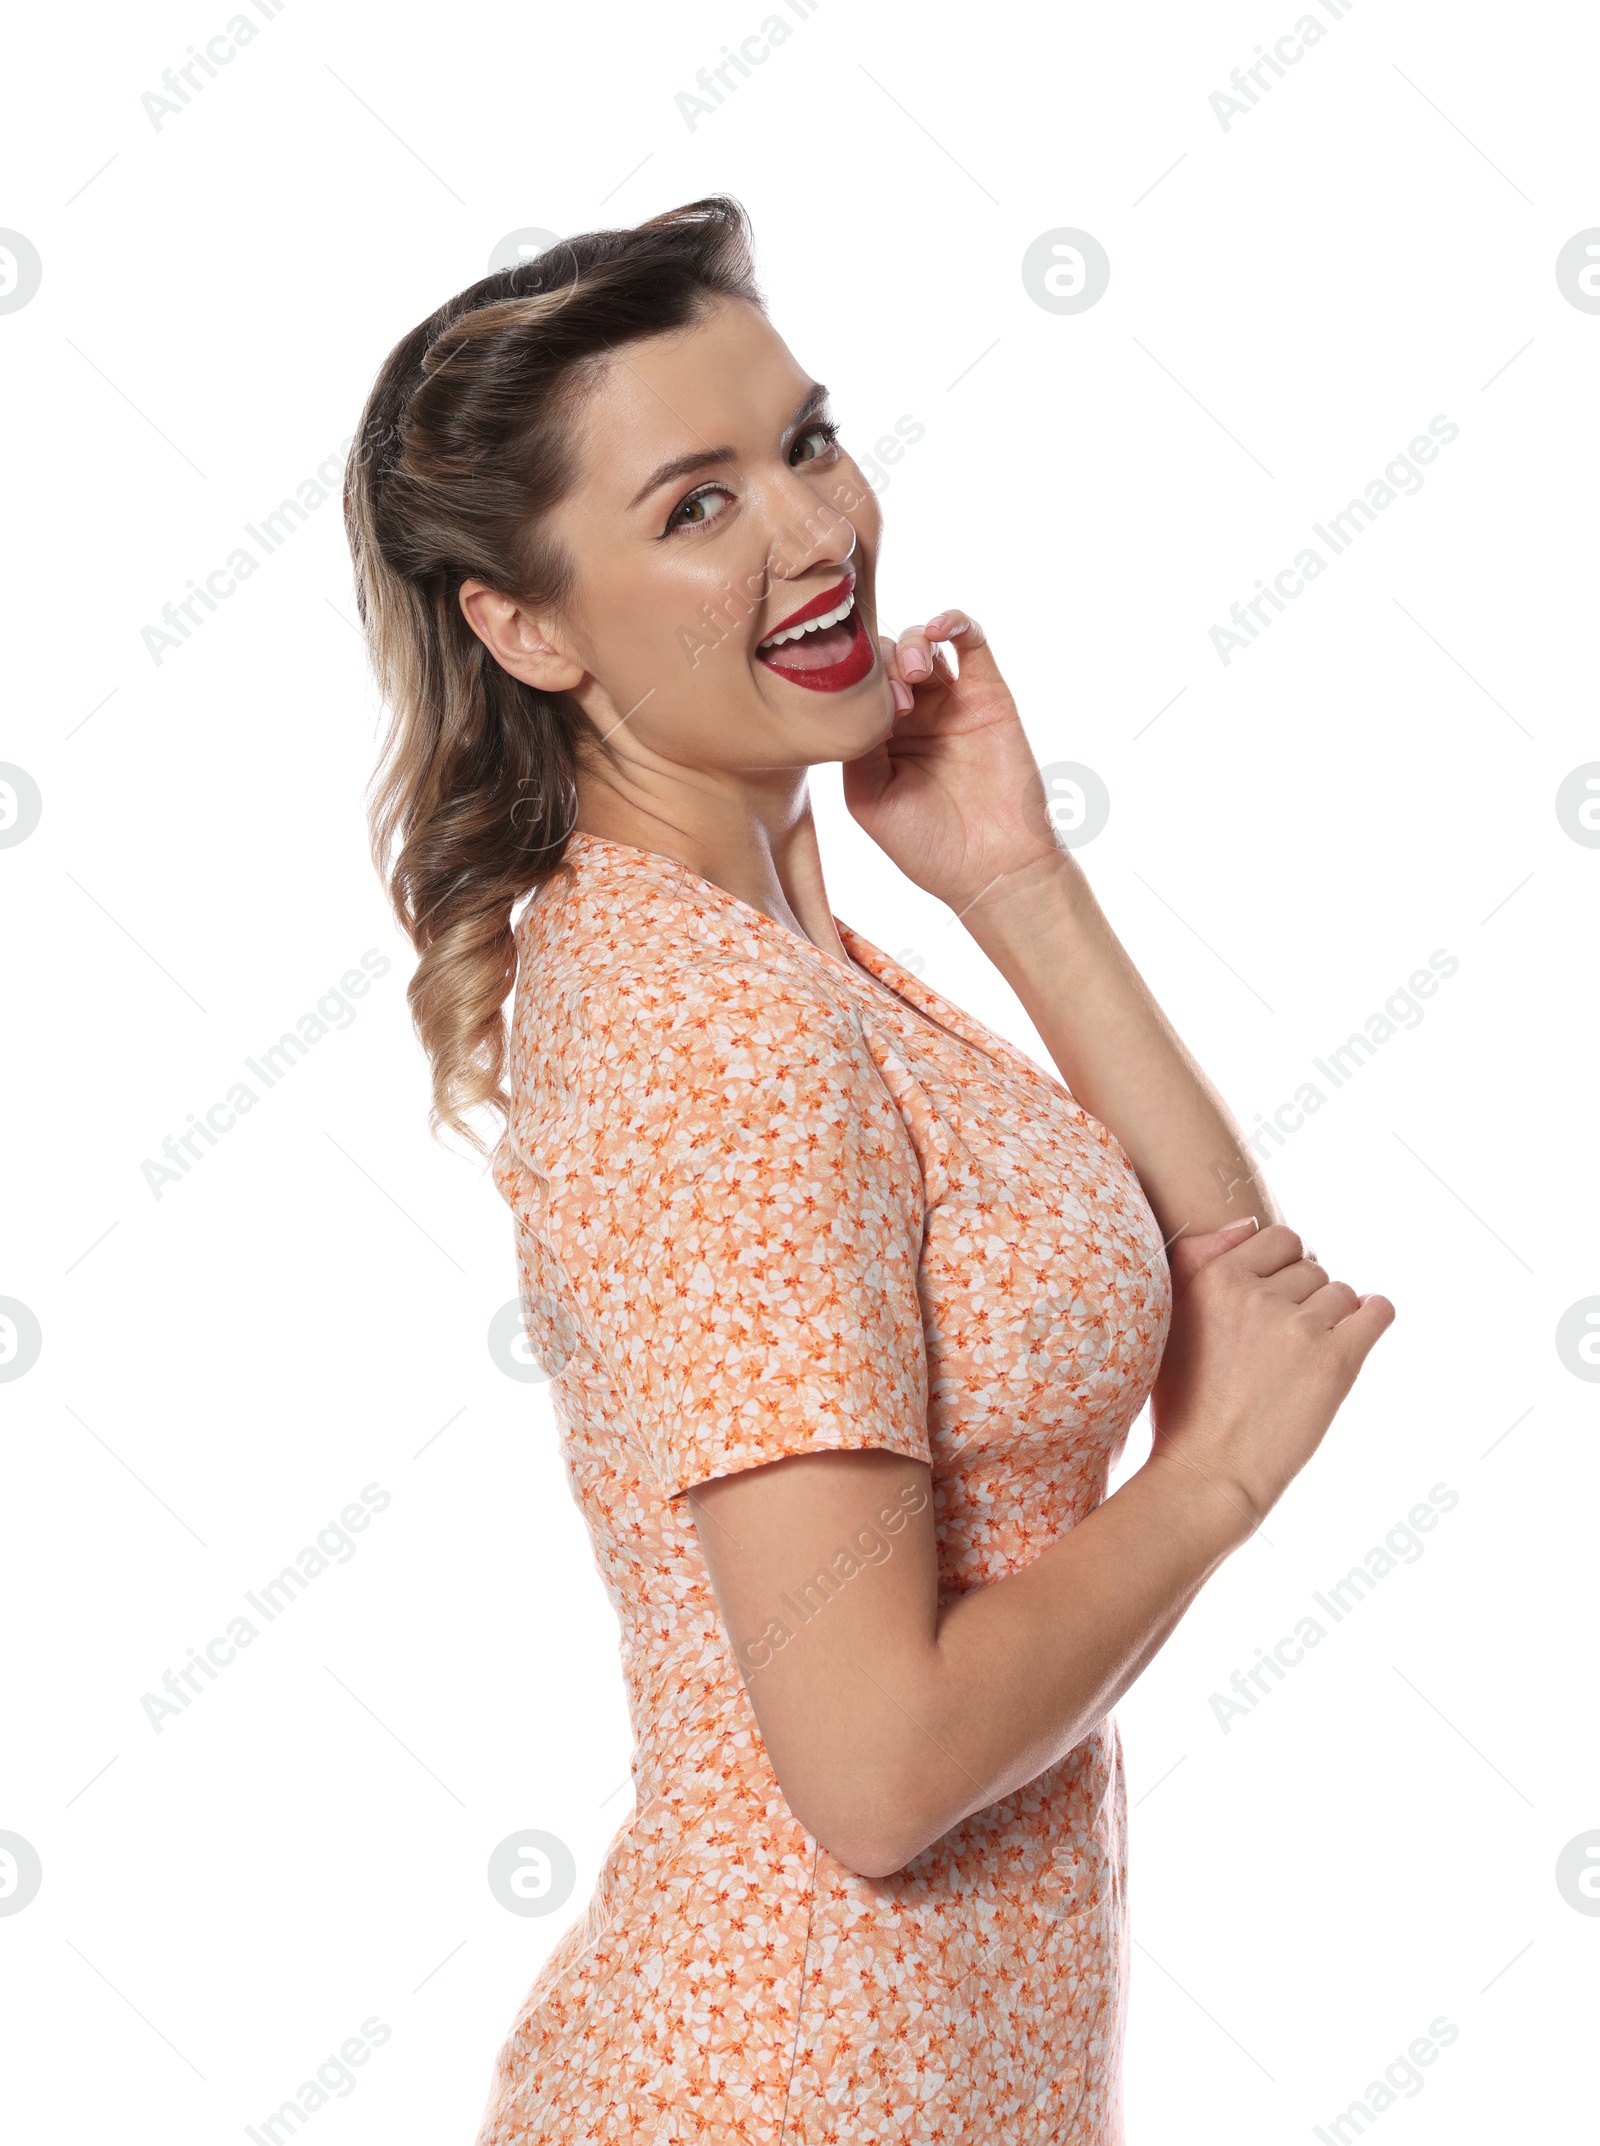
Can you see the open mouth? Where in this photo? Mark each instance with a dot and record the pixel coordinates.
(825, 645)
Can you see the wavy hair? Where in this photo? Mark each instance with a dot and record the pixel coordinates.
(464, 448)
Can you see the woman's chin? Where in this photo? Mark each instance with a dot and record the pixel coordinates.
(847, 732)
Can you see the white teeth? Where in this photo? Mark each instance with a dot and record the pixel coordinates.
(811, 625)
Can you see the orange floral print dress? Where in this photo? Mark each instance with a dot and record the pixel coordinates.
(769, 1204)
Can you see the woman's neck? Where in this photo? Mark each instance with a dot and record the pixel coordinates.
(764, 851)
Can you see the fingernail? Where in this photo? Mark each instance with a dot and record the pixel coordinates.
(901, 694)
(912, 662)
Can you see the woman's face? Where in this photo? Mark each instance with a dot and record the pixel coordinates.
(714, 509)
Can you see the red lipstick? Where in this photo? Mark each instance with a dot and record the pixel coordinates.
(829, 600)
(834, 656)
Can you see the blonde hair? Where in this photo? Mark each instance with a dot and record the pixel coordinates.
(464, 448)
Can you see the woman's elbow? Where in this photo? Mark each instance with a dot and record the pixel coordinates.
(872, 1836)
(865, 1855)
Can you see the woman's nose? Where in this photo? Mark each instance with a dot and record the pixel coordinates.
(815, 535)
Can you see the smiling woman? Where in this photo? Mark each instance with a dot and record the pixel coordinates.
(833, 1283)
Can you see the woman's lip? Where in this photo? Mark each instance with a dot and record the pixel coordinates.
(848, 671)
(829, 600)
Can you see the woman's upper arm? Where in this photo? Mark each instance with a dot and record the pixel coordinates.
(737, 1208)
(826, 1575)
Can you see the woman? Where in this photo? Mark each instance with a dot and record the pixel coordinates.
(848, 1306)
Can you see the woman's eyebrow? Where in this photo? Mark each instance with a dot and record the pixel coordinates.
(708, 457)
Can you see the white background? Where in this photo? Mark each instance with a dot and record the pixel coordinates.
(1292, 299)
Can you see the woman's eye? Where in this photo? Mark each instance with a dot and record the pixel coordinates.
(695, 511)
(826, 434)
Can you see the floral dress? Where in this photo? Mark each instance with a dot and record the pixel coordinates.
(767, 1203)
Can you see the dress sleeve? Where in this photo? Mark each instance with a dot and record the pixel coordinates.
(733, 1215)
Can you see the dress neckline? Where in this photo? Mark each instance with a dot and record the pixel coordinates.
(869, 967)
(735, 901)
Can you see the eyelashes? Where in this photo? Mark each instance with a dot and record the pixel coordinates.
(824, 428)
(828, 429)
(676, 519)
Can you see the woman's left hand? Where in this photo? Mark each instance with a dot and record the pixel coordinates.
(953, 794)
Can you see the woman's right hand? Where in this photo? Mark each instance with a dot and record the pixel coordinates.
(1262, 1349)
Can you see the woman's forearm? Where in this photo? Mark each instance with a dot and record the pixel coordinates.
(1116, 1050)
(1022, 1670)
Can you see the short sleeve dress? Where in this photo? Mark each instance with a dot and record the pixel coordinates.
(767, 1203)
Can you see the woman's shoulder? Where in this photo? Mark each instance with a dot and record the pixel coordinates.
(618, 971)
(655, 1020)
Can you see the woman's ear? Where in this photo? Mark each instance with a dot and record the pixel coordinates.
(517, 640)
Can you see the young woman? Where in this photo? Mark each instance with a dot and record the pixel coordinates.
(848, 1305)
